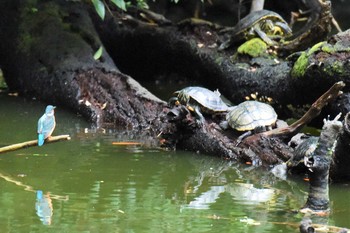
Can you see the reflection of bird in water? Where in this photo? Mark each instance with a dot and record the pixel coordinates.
(46, 124)
(44, 208)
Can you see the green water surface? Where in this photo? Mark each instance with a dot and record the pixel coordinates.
(90, 185)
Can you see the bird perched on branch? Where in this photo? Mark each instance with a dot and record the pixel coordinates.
(46, 124)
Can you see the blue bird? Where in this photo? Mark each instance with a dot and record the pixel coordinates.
(46, 124)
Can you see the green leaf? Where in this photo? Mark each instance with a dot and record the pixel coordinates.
(142, 4)
(98, 53)
(120, 4)
(99, 7)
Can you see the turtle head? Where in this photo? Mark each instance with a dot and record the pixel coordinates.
(267, 25)
(282, 29)
(173, 101)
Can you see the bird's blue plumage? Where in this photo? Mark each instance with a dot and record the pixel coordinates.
(41, 139)
(46, 124)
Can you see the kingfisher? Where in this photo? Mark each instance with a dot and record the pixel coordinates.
(46, 124)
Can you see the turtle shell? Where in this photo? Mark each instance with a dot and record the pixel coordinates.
(255, 17)
(209, 101)
(250, 115)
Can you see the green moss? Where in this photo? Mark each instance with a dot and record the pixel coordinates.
(338, 47)
(328, 49)
(254, 48)
(300, 65)
(335, 69)
(316, 48)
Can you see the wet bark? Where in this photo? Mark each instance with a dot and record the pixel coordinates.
(319, 165)
(341, 161)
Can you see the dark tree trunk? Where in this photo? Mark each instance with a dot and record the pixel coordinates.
(319, 165)
(48, 53)
(341, 162)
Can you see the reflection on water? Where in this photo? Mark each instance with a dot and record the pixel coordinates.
(206, 198)
(43, 207)
(89, 184)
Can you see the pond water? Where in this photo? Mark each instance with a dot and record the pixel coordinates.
(88, 184)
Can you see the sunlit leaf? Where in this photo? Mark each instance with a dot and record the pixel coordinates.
(99, 7)
(98, 53)
(120, 4)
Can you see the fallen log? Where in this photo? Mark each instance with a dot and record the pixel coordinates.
(31, 143)
(266, 148)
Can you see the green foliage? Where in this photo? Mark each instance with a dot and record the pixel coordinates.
(142, 4)
(300, 65)
(98, 53)
(120, 3)
(337, 68)
(100, 8)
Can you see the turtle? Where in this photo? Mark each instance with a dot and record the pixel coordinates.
(267, 25)
(250, 116)
(199, 100)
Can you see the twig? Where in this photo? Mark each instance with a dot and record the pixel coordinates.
(314, 111)
(33, 143)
